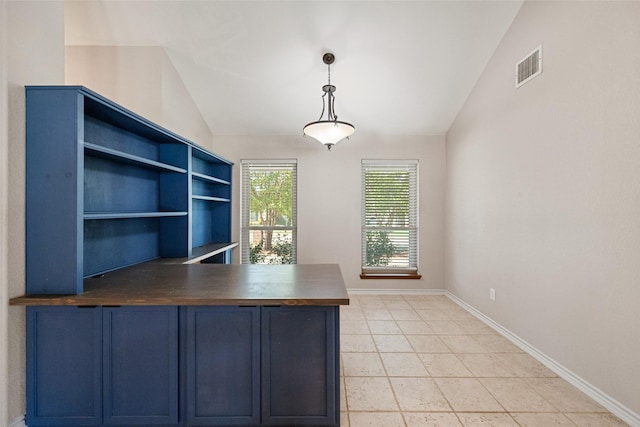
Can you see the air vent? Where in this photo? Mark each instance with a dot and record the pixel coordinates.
(529, 67)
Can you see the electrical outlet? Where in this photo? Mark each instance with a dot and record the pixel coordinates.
(492, 294)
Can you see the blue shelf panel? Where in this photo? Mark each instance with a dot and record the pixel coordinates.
(125, 215)
(121, 156)
(211, 199)
(208, 178)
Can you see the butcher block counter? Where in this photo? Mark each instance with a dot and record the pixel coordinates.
(164, 343)
(164, 282)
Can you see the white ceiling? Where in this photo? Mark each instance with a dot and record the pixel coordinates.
(255, 67)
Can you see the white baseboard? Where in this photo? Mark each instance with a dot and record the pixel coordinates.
(362, 291)
(615, 407)
(18, 422)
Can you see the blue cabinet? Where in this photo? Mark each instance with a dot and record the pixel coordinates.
(300, 360)
(223, 365)
(107, 188)
(140, 365)
(64, 366)
(94, 366)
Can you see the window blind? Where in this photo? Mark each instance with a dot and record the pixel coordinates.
(389, 217)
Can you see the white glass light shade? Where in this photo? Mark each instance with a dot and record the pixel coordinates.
(329, 132)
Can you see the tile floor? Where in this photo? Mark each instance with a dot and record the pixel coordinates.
(424, 361)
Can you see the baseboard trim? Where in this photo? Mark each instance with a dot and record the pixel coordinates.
(363, 291)
(615, 407)
(18, 422)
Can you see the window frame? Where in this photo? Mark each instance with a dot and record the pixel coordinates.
(392, 272)
(245, 214)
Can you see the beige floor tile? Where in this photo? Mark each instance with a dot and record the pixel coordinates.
(377, 313)
(369, 394)
(434, 419)
(432, 314)
(354, 327)
(475, 326)
(376, 419)
(344, 419)
(468, 395)
(422, 360)
(462, 344)
(384, 327)
(397, 305)
(542, 420)
(515, 395)
(495, 343)
(423, 303)
(400, 314)
(524, 365)
(487, 420)
(415, 327)
(403, 365)
(362, 365)
(351, 313)
(370, 301)
(485, 365)
(392, 344)
(446, 327)
(444, 365)
(596, 420)
(354, 343)
(428, 344)
(459, 314)
(419, 394)
(564, 396)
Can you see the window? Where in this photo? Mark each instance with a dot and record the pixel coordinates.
(268, 208)
(389, 219)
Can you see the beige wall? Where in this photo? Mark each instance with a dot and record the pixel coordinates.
(329, 198)
(32, 54)
(142, 79)
(543, 191)
(4, 208)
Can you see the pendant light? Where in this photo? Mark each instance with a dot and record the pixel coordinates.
(329, 131)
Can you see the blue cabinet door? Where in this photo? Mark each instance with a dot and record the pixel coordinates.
(223, 365)
(140, 363)
(64, 366)
(300, 366)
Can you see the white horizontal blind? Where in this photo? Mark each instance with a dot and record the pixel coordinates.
(272, 219)
(389, 216)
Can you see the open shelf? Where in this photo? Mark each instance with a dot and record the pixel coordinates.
(125, 215)
(210, 199)
(208, 178)
(111, 154)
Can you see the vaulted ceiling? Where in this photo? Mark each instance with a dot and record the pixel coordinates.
(255, 67)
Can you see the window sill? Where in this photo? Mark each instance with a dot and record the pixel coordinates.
(393, 276)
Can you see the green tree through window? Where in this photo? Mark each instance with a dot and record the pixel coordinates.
(269, 217)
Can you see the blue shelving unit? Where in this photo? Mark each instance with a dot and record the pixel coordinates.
(107, 188)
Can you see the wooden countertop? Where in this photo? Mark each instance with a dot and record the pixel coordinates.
(161, 283)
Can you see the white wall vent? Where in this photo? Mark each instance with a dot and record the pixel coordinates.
(529, 67)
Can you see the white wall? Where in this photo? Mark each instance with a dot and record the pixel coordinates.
(33, 53)
(329, 198)
(142, 79)
(543, 191)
